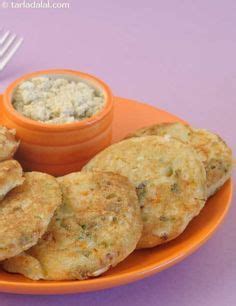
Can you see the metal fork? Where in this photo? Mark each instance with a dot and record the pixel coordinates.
(9, 44)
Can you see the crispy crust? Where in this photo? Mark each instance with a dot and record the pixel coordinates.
(97, 226)
(169, 179)
(8, 143)
(213, 151)
(25, 213)
(216, 157)
(11, 175)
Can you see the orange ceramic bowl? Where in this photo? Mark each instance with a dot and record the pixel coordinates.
(59, 149)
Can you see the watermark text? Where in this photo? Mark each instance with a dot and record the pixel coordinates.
(37, 4)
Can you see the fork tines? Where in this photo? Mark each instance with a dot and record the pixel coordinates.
(9, 44)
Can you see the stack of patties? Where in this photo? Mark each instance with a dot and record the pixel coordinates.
(27, 201)
(138, 193)
(97, 226)
(174, 168)
(73, 227)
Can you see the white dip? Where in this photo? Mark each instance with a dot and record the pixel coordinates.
(56, 101)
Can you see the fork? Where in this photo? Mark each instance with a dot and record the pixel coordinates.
(9, 44)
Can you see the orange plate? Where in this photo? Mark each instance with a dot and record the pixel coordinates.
(130, 115)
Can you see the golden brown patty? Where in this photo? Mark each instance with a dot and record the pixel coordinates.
(98, 225)
(11, 175)
(8, 143)
(213, 151)
(25, 213)
(169, 179)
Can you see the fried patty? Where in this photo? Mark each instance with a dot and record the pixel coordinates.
(97, 226)
(212, 150)
(169, 179)
(8, 143)
(11, 175)
(26, 211)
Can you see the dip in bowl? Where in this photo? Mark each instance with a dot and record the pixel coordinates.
(62, 117)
